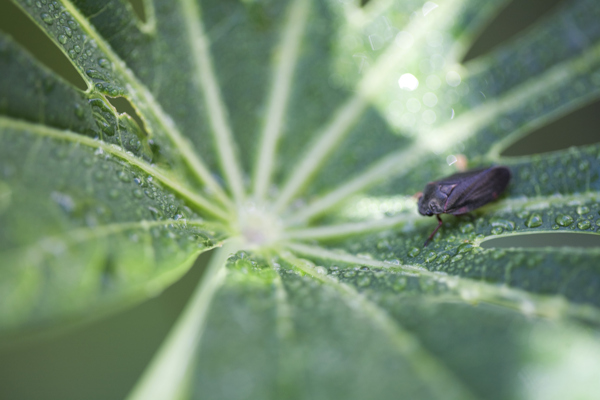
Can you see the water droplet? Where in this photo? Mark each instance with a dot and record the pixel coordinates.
(62, 39)
(79, 113)
(523, 214)
(414, 252)
(430, 256)
(68, 31)
(502, 223)
(321, 270)
(113, 193)
(38, 4)
(92, 73)
(467, 227)
(64, 201)
(400, 284)
(123, 176)
(534, 221)
(156, 214)
(137, 193)
(464, 248)
(349, 274)
(77, 49)
(584, 225)
(104, 63)
(497, 230)
(443, 258)
(583, 210)
(47, 18)
(457, 257)
(564, 220)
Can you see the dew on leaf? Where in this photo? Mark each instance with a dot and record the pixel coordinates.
(430, 256)
(400, 284)
(62, 39)
(95, 74)
(502, 223)
(443, 258)
(581, 210)
(464, 248)
(47, 18)
(414, 252)
(497, 230)
(523, 214)
(564, 220)
(123, 176)
(349, 274)
(321, 270)
(584, 225)
(156, 214)
(64, 201)
(534, 221)
(79, 113)
(467, 227)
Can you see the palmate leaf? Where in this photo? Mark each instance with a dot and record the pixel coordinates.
(281, 130)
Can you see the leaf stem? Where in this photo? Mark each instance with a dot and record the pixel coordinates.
(144, 100)
(160, 175)
(168, 374)
(348, 229)
(471, 291)
(216, 109)
(425, 364)
(286, 58)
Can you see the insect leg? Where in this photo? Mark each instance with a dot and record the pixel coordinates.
(434, 231)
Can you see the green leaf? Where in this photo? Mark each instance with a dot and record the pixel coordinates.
(295, 134)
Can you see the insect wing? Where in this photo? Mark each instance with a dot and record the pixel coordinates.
(460, 177)
(475, 189)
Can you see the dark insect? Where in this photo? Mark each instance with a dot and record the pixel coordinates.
(461, 193)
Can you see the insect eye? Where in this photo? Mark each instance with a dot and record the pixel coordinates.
(435, 208)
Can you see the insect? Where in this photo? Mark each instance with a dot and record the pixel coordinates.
(462, 192)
